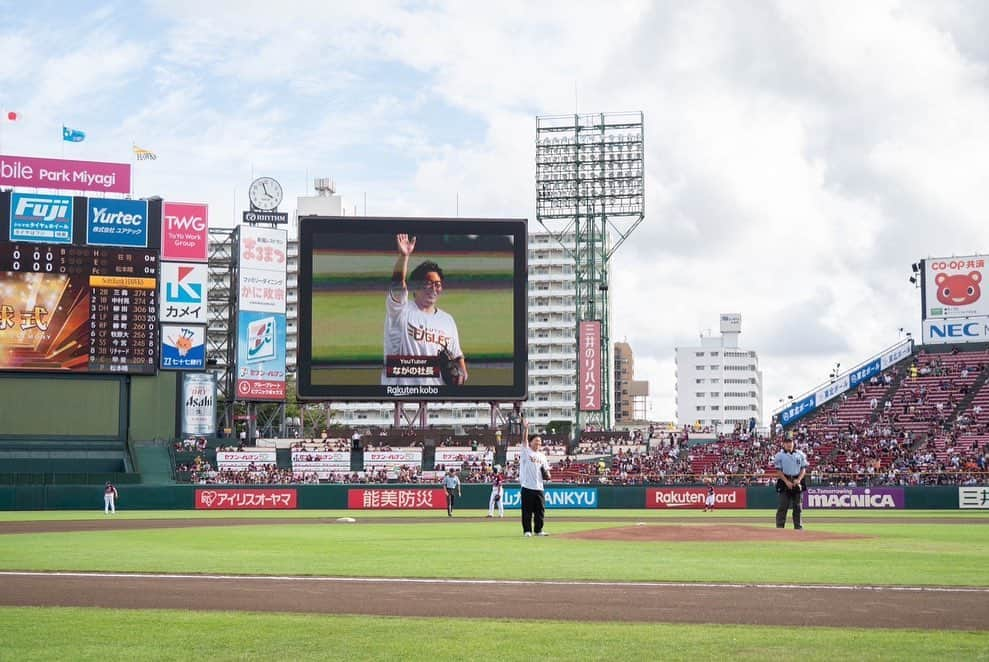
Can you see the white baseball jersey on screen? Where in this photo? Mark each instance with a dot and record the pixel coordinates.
(410, 331)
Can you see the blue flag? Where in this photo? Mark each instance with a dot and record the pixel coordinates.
(72, 135)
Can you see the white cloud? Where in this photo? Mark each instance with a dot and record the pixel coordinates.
(800, 156)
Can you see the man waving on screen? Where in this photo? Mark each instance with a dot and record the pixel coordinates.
(422, 345)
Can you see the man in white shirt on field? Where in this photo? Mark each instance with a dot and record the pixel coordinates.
(533, 471)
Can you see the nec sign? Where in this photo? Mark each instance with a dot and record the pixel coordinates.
(958, 331)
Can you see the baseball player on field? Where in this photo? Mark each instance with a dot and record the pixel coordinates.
(109, 499)
(418, 328)
(497, 493)
(709, 500)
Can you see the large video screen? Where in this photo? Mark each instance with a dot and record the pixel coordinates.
(412, 309)
(78, 308)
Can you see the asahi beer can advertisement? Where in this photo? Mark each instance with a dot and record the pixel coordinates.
(199, 404)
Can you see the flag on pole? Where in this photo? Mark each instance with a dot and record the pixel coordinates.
(144, 154)
(12, 116)
(72, 135)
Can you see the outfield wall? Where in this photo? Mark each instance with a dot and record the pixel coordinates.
(424, 497)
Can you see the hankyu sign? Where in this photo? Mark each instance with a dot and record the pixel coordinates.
(854, 497)
(117, 223)
(973, 498)
(953, 286)
(589, 366)
(183, 347)
(557, 498)
(185, 232)
(246, 499)
(693, 497)
(396, 499)
(41, 218)
(199, 404)
(955, 330)
(184, 292)
(63, 174)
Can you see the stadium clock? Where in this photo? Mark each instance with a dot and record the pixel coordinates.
(265, 193)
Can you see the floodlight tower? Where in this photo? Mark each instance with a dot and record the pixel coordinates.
(590, 196)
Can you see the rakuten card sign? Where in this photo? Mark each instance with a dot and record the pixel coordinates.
(693, 497)
(259, 499)
(185, 232)
(63, 174)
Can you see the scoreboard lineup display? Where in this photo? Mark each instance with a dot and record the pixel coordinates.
(73, 307)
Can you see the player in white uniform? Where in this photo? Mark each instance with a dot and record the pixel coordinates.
(417, 327)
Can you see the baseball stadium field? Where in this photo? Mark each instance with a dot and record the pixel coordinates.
(610, 584)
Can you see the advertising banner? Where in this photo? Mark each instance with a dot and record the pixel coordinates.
(184, 288)
(396, 499)
(64, 174)
(185, 232)
(956, 330)
(896, 354)
(242, 459)
(260, 356)
(199, 404)
(262, 290)
(693, 497)
(589, 366)
(246, 499)
(557, 498)
(321, 463)
(837, 387)
(111, 222)
(380, 459)
(263, 248)
(854, 497)
(43, 219)
(797, 410)
(183, 347)
(731, 322)
(976, 497)
(953, 287)
(864, 373)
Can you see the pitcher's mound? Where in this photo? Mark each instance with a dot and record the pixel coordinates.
(706, 533)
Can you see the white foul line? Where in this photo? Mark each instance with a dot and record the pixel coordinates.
(496, 582)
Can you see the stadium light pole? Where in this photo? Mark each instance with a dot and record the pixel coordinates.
(590, 197)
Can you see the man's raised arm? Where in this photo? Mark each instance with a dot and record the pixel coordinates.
(406, 245)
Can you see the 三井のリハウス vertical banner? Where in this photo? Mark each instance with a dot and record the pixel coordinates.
(589, 366)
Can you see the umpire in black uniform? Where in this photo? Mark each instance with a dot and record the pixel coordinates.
(791, 468)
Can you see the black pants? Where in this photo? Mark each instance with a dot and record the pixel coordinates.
(533, 509)
(788, 499)
(451, 497)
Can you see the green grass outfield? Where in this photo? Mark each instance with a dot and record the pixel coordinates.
(107, 634)
(894, 553)
(897, 552)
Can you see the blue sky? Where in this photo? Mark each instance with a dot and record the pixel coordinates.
(800, 156)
